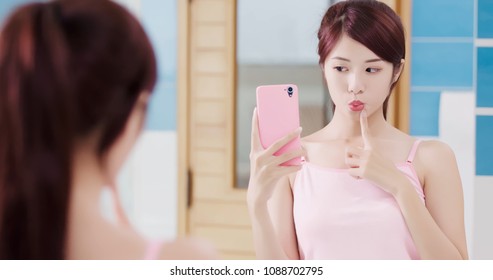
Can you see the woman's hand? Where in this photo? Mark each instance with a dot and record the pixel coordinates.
(265, 167)
(368, 164)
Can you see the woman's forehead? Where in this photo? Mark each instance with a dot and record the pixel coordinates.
(351, 50)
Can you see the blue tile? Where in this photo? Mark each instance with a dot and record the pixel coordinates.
(485, 77)
(8, 6)
(485, 19)
(442, 64)
(162, 108)
(160, 22)
(442, 18)
(425, 107)
(484, 145)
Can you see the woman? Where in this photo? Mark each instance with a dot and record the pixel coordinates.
(75, 80)
(366, 190)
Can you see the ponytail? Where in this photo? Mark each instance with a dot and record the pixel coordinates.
(69, 69)
(36, 122)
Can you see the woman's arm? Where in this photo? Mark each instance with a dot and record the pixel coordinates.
(273, 226)
(269, 189)
(437, 228)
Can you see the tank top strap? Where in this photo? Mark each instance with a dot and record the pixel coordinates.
(412, 153)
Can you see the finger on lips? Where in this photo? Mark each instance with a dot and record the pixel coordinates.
(365, 133)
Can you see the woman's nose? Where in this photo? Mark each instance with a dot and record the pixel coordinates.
(355, 84)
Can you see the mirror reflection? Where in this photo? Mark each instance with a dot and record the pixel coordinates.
(277, 44)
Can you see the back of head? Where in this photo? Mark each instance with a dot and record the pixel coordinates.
(369, 22)
(68, 68)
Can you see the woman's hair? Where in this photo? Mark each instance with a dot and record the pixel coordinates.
(369, 22)
(68, 68)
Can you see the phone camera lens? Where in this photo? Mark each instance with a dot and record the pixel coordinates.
(290, 91)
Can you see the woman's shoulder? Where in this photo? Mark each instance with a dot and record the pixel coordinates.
(434, 156)
(188, 248)
(432, 150)
(106, 240)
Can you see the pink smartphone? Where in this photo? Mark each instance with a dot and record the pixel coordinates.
(278, 115)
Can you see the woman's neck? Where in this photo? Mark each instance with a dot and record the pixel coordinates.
(347, 127)
(88, 178)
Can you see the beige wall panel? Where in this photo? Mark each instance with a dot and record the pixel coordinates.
(216, 188)
(210, 87)
(210, 137)
(209, 162)
(214, 213)
(227, 255)
(209, 186)
(209, 11)
(229, 239)
(390, 3)
(210, 113)
(210, 62)
(210, 36)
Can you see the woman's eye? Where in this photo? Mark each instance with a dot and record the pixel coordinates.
(372, 70)
(340, 68)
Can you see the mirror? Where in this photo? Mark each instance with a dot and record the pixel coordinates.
(277, 44)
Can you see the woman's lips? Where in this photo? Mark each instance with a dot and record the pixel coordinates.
(356, 105)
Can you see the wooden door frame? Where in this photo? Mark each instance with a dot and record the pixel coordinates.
(183, 114)
(183, 71)
(403, 96)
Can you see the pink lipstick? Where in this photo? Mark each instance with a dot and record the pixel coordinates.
(356, 105)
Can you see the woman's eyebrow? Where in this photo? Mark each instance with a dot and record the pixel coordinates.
(345, 59)
(374, 60)
(341, 58)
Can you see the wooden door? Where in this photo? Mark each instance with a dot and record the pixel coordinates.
(215, 208)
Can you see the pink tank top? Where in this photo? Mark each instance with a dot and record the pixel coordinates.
(337, 216)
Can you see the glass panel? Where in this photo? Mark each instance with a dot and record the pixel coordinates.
(277, 44)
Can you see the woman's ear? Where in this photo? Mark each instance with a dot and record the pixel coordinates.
(398, 71)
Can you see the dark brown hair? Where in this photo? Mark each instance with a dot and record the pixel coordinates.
(67, 69)
(369, 22)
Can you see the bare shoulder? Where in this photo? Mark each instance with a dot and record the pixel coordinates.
(434, 159)
(432, 152)
(188, 248)
(105, 240)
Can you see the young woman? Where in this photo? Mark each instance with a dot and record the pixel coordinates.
(75, 80)
(366, 190)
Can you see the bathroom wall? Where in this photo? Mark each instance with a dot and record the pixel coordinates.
(148, 182)
(452, 99)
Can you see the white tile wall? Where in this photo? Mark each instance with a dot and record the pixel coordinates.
(132, 5)
(154, 184)
(457, 129)
(483, 223)
(148, 181)
(148, 186)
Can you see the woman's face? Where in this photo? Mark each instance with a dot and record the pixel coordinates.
(357, 78)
